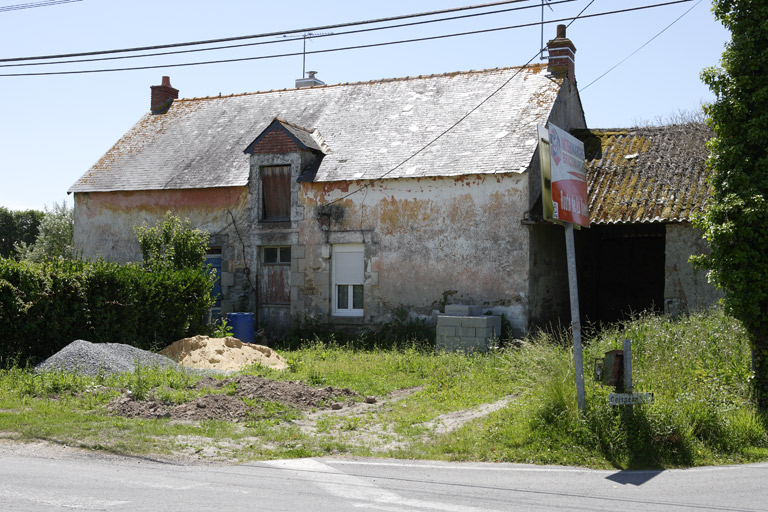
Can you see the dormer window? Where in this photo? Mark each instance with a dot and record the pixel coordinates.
(276, 193)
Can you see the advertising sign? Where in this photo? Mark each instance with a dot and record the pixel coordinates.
(563, 178)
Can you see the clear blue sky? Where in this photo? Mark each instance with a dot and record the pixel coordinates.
(53, 128)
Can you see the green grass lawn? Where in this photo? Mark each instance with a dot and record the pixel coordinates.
(697, 367)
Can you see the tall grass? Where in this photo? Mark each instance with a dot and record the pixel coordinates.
(698, 368)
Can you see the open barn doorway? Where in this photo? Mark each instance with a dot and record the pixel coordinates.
(621, 271)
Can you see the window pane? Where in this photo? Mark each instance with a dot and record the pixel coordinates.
(285, 255)
(357, 296)
(270, 255)
(342, 300)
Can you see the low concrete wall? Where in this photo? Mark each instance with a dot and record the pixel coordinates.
(468, 333)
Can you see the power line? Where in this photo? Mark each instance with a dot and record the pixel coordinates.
(269, 34)
(641, 47)
(284, 38)
(32, 5)
(344, 48)
(438, 137)
(454, 125)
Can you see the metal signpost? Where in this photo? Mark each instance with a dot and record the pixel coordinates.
(564, 198)
(608, 371)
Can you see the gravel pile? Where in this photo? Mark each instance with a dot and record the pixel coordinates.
(88, 358)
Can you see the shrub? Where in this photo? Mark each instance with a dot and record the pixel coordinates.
(43, 307)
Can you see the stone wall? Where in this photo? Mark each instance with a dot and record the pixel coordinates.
(685, 288)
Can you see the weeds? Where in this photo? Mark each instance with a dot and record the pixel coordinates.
(696, 366)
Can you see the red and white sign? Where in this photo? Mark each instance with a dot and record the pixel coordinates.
(569, 180)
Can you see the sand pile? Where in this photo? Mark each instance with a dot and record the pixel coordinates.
(221, 354)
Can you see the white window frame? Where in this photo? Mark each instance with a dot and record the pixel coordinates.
(337, 275)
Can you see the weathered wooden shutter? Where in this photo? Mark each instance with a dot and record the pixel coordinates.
(276, 193)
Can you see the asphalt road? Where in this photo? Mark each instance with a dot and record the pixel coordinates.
(45, 480)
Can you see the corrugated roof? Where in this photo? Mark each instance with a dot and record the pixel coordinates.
(643, 175)
(367, 129)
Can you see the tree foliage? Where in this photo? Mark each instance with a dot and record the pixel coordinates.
(172, 243)
(54, 237)
(17, 227)
(735, 222)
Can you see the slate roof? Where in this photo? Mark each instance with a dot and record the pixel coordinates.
(644, 175)
(366, 130)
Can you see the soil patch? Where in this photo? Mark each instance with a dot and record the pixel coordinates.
(232, 407)
(222, 354)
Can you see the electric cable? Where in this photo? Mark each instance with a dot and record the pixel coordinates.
(438, 137)
(285, 40)
(345, 48)
(268, 34)
(32, 5)
(579, 16)
(641, 47)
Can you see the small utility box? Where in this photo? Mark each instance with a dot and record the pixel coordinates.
(608, 371)
(465, 328)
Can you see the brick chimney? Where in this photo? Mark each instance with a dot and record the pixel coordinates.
(162, 96)
(561, 55)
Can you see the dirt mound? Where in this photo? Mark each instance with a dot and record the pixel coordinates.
(221, 354)
(209, 407)
(233, 407)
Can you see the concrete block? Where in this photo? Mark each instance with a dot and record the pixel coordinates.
(447, 343)
(443, 330)
(463, 310)
(467, 332)
(297, 252)
(449, 321)
(495, 323)
(473, 321)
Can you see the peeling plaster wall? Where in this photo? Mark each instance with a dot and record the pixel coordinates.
(427, 241)
(104, 224)
(685, 288)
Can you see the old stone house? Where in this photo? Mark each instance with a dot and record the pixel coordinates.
(347, 203)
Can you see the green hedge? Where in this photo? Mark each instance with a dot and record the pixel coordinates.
(44, 307)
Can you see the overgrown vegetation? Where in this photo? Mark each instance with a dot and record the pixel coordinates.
(45, 305)
(172, 244)
(696, 366)
(735, 222)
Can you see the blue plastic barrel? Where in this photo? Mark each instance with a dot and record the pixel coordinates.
(243, 326)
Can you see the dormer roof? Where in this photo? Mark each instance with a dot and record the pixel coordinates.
(303, 138)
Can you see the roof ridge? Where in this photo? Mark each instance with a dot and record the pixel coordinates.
(533, 67)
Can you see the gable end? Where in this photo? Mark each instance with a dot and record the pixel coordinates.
(283, 137)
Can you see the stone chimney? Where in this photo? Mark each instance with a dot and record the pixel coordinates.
(561, 55)
(310, 81)
(162, 96)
